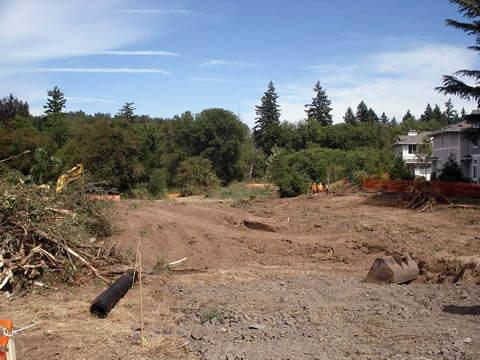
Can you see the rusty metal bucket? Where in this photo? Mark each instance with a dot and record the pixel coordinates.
(392, 269)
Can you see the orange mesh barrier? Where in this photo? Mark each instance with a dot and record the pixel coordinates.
(448, 188)
(105, 197)
(8, 325)
(174, 195)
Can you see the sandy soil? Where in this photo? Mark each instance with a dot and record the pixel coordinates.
(291, 266)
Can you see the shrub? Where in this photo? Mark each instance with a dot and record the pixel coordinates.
(399, 170)
(359, 176)
(451, 171)
(195, 176)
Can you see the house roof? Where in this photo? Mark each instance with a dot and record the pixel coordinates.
(412, 139)
(461, 126)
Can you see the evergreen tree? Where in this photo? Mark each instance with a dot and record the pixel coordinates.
(408, 116)
(349, 117)
(384, 119)
(362, 114)
(399, 171)
(372, 116)
(394, 121)
(320, 108)
(451, 171)
(10, 107)
(470, 9)
(267, 122)
(463, 114)
(127, 111)
(55, 101)
(427, 114)
(451, 113)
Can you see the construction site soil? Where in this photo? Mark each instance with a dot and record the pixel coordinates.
(272, 279)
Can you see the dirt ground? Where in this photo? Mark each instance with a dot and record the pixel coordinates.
(273, 279)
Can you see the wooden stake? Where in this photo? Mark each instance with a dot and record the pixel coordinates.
(141, 297)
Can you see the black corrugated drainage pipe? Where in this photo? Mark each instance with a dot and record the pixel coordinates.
(107, 300)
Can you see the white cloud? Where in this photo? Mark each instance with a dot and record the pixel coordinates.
(137, 52)
(388, 81)
(83, 100)
(96, 70)
(230, 63)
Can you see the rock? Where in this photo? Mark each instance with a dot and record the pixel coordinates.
(283, 299)
(92, 240)
(256, 326)
(136, 327)
(223, 330)
(467, 340)
(180, 332)
(198, 333)
(459, 345)
(135, 336)
(167, 331)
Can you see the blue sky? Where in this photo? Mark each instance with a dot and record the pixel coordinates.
(188, 55)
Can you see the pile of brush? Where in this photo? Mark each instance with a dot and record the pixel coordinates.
(46, 238)
(422, 197)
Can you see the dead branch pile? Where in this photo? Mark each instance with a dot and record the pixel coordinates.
(422, 197)
(45, 239)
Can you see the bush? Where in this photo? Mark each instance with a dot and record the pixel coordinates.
(288, 174)
(451, 171)
(399, 170)
(195, 176)
(157, 184)
(359, 176)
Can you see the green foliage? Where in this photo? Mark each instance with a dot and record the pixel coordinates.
(424, 153)
(320, 109)
(55, 101)
(238, 191)
(10, 108)
(157, 184)
(359, 176)
(290, 176)
(211, 313)
(58, 128)
(17, 141)
(218, 136)
(452, 85)
(161, 266)
(267, 122)
(127, 111)
(45, 168)
(399, 170)
(195, 176)
(349, 117)
(451, 170)
(111, 154)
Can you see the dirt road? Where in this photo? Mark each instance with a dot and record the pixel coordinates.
(274, 279)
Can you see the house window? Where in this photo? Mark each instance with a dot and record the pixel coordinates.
(475, 146)
(475, 169)
(412, 149)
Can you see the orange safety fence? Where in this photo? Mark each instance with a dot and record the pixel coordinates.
(174, 195)
(105, 197)
(261, 185)
(447, 187)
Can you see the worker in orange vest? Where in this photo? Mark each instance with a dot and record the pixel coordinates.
(314, 188)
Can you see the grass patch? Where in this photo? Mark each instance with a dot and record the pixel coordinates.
(238, 191)
(211, 313)
(161, 266)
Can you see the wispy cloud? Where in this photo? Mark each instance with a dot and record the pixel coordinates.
(83, 100)
(390, 81)
(230, 63)
(137, 52)
(154, 11)
(98, 70)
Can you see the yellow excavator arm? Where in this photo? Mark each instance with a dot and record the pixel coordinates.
(73, 174)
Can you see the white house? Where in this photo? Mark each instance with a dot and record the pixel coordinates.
(406, 147)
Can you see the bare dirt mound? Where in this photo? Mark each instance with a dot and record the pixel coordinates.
(335, 235)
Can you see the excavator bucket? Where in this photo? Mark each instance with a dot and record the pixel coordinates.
(392, 269)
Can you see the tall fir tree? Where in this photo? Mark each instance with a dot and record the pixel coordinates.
(372, 116)
(451, 113)
(127, 111)
(55, 101)
(267, 122)
(470, 9)
(384, 119)
(427, 114)
(349, 117)
(362, 114)
(320, 108)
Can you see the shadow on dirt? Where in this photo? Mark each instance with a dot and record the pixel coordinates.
(462, 310)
